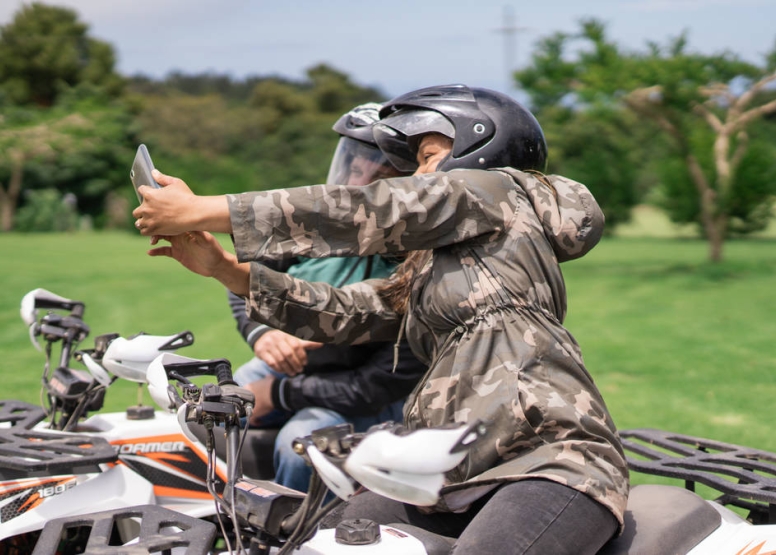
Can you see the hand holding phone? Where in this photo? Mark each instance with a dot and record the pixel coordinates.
(140, 174)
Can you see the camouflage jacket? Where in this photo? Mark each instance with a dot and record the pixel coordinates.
(485, 314)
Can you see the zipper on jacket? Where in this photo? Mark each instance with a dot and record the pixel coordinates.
(457, 332)
(398, 342)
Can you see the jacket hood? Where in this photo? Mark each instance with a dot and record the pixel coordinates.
(572, 220)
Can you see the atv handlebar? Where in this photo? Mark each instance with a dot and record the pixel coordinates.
(219, 367)
(43, 299)
(71, 393)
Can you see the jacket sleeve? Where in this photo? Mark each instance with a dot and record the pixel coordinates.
(572, 221)
(249, 329)
(394, 215)
(317, 311)
(363, 391)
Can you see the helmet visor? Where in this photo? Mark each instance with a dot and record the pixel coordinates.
(399, 134)
(358, 163)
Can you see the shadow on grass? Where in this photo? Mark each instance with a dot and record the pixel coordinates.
(638, 259)
(719, 271)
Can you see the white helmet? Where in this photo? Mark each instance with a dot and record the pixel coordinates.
(357, 144)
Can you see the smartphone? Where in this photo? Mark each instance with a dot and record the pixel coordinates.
(140, 174)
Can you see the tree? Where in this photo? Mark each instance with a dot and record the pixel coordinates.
(45, 49)
(681, 93)
(597, 148)
(82, 146)
(17, 147)
(278, 135)
(592, 142)
(63, 125)
(275, 101)
(35, 140)
(728, 113)
(335, 93)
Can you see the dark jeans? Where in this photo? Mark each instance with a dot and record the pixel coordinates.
(528, 517)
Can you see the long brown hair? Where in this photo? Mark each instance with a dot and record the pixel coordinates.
(397, 291)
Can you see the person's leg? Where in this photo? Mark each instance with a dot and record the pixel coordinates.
(291, 469)
(529, 517)
(536, 517)
(392, 413)
(253, 370)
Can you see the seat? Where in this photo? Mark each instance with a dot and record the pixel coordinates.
(663, 519)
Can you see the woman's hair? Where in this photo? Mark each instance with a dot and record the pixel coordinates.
(397, 291)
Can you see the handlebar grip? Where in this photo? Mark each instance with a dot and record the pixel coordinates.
(78, 310)
(223, 373)
(221, 368)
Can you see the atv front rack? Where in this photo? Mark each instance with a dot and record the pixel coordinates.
(29, 453)
(160, 530)
(20, 414)
(745, 477)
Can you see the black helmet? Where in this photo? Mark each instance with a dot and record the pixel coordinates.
(489, 129)
(357, 141)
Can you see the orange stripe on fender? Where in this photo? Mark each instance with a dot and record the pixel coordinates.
(32, 501)
(163, 491)
(755, 550)
(167, 457)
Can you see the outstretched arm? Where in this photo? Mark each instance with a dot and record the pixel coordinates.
(201, 253)
(175, 209)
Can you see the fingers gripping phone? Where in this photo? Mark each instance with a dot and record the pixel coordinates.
(140, 174)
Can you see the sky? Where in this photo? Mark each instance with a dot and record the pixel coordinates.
(397, 45)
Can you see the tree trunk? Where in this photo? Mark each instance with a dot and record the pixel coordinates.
(6, 211)
(9, 198)
(717, 240)
(714, 222)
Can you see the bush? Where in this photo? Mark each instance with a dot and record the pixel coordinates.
(48, 210)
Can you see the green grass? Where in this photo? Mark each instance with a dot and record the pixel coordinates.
(672, 341)
(124, 290)
(677, 343)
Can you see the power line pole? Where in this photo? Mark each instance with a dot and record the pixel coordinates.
(509, 29)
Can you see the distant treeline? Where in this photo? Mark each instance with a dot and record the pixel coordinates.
(692, 134)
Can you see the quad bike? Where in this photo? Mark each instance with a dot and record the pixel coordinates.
(260, 516)
(67, 456)
(267, 518)
(263, 517)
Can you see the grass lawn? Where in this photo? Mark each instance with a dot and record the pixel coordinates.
(672, 341)
(124, 290)
(676, 343)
